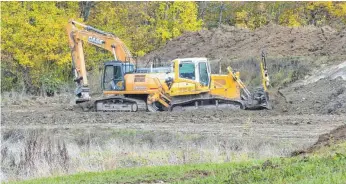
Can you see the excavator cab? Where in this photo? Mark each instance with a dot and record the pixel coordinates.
(113, 75)
(192, 69)
(191, 76)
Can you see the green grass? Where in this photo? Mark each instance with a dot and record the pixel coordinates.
(327, 165)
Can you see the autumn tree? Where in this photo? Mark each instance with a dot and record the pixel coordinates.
(171, 19)
(33, 39)
(322, 13)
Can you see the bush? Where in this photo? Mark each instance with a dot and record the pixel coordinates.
(9, 81)
(50, 84)
(282, 71)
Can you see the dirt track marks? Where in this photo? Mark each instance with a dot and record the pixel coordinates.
(237, 124)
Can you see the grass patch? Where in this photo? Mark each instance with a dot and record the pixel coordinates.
(326, 165)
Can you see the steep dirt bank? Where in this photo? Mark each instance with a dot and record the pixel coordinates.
(229, 43)
(322, 92)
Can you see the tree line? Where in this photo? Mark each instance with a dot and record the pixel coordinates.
(34, 44)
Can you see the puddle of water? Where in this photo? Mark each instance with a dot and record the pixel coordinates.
(36, 153)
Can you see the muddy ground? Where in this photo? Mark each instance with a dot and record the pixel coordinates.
(45, 137)
(56, 139)
(224, 122)
(64, 141)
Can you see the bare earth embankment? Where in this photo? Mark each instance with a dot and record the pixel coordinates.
(229, 43)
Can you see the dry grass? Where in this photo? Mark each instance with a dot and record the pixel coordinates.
(37, 153)
(23, 100)
(282, 70)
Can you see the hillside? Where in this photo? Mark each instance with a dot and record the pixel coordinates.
(230, 43)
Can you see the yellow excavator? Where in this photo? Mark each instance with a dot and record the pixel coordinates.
(188, 84)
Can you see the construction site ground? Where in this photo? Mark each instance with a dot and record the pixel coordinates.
(302, 111)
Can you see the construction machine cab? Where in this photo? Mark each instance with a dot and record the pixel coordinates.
(113, 75)
(192, 69)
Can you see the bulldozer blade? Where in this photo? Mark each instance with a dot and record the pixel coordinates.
(80, 100)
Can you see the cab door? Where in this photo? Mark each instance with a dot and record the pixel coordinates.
(204, 73)
(113, 78)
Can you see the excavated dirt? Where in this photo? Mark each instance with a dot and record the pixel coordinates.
(229, 43)
(323, 97)
(323, 92)
(335, 136)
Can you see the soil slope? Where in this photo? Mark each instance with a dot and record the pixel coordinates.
(229, 43)
(323, 92)
(335, 136)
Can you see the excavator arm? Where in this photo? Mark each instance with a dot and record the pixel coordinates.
(78, 34)
(259, 98)
(264, 72)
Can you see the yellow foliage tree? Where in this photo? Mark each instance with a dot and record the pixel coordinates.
(340, 10)
(290, 18)
(33, 34)
(174, 18)
(241, 19)
(251, 16)
(322, 13)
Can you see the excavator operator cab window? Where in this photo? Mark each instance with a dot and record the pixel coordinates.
(203, 74)
(187, 70)
(113, 79)
(128, 68)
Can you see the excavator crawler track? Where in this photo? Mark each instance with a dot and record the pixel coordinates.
(206, 103)
(120, 104)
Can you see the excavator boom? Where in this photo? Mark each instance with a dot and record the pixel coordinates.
(78, 34)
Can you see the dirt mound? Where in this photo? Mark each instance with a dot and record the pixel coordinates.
(335, 136)
(324, 96)
(338, 134)
(229, 43)
(323, 92)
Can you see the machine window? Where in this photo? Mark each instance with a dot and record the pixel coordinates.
(117, 73)
(108, 76)
(203, 74)
(187, 70)
(113, 78)
(128, 68)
